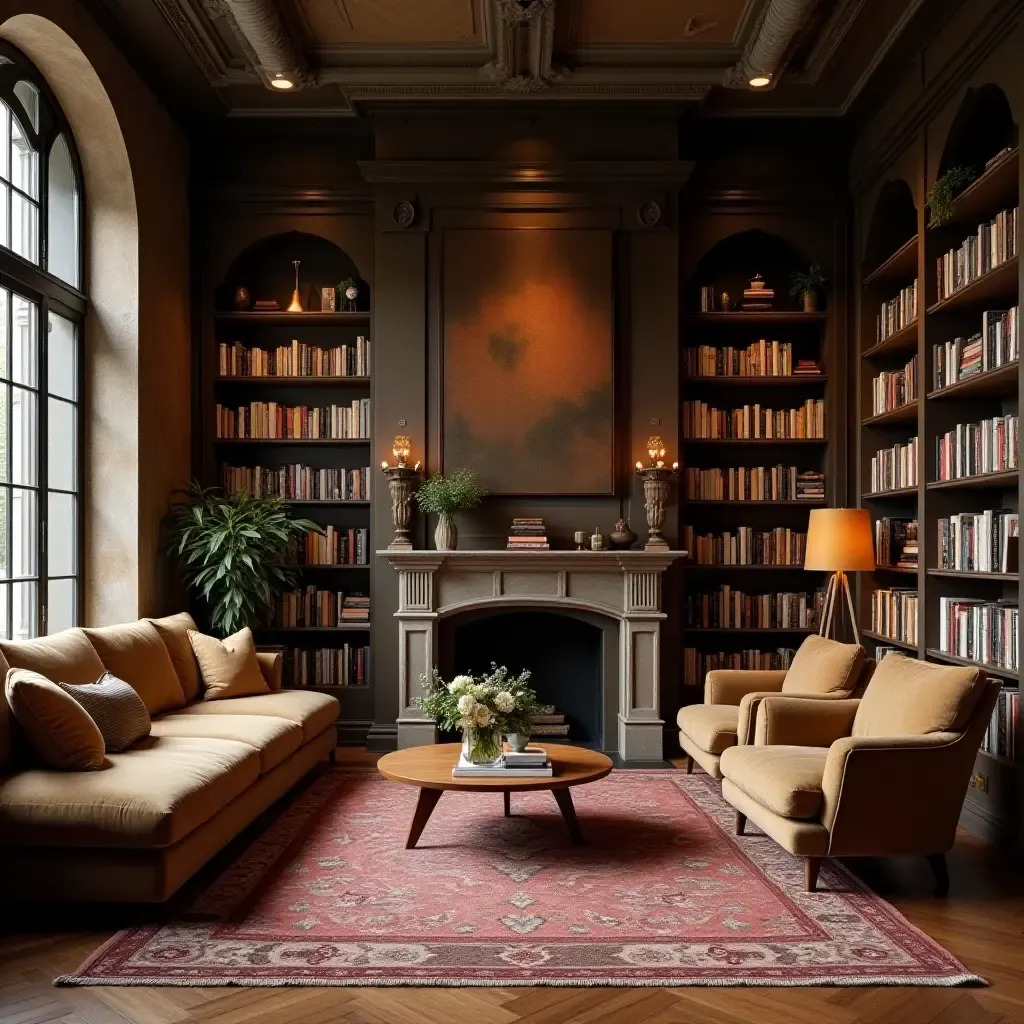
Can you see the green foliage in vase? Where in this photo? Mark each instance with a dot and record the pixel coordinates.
(446, 495)
(806, 282)
(232, 550)
(942, 195)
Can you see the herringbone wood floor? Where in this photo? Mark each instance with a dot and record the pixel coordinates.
(981, 922)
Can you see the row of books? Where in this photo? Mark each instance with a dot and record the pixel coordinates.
(897, 313)
(727, 608)
(312, 606)
(746, 546)
(701, 420)
(295, 360)
(971, 449)
(896, 542)
(697, 664)
(348, 665)
(760, 359)
(894, 614)
(296, 482)
(893, 388)
(991, 245)
(982, 631)
(757, 483)
(271, 420)
(336, 546)
(528, 534)
(979, 541)
(997, 344)
(1002, 736)
(895, 467)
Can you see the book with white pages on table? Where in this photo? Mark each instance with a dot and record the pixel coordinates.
(467, 770)
(530, 757)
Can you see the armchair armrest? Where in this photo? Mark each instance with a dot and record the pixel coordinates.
(271, 665)
(803, 721)
(730, 686)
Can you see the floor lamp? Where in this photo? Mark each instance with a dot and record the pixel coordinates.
(839, 540)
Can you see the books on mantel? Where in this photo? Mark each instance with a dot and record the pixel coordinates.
(757, 295)
(528, 534)
(551, 724)
(530, 764)
(265, 306)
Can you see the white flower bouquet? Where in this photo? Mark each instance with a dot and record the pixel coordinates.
(483, 707)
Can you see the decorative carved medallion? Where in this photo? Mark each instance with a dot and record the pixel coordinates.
(403, 213)
(648, 213)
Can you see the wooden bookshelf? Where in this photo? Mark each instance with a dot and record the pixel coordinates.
(294, 382)
(792, 503)
(746, 442)
(343, 627)
(906, 413)
(330, 442)
(995, 392)
(283, 318)
(792, 380)
(763, 317)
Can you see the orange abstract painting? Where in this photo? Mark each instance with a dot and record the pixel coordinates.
(528, 359)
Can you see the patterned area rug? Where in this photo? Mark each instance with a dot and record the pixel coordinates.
(662, 894)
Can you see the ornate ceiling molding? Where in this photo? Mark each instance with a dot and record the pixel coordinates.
(524, 45)
(192, 25)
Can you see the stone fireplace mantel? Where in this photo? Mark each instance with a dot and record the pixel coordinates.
(623, 585)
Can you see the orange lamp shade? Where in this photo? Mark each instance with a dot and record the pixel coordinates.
(840, 539)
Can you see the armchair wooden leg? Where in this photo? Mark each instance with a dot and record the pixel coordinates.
(689, 765)
(741, 821)
(812, 865)
(937, 862)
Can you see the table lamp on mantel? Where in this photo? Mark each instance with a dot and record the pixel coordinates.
(839, 540)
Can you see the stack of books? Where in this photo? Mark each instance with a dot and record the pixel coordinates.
(528, 534)
(896, 542)
(810, 486)
(807, 368)
(757, 295)
(266, 306)
(531, 763)
(355, 608)
(550, 724)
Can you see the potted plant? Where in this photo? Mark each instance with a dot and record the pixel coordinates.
(805, 286)
(443, 496)
(483, 708)
(942, 195)
(232, 550)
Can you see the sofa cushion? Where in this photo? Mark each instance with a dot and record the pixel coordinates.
(151, 796)
(59, 729)
(229, 667)
(711, 726)
(821, 665)
(116, 709)
(173, 630)
(274, 739)
(907, 697)
(786, 780)
(313, 711)
(135, 653)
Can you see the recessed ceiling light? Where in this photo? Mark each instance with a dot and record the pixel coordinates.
(280, 82)
(759, 81)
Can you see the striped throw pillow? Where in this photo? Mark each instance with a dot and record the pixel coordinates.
(115, 707)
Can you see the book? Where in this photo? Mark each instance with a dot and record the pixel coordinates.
(729, 608)
(746, 546)
(761, 358)
(897, 313)
(894, 614)
(297, 482)
(549, 730)
(701, 420)
(531, 756)
(555, 718)
(974, 449)
(981, 631)
(894, 468)
(466, 770)
(891, 389)
(758, 483)
(295, 360)
(273, 421)
(993, 244)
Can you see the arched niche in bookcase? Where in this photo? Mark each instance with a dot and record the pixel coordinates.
(983, 127)
(733, 261)
(892, 226)
(265, 268)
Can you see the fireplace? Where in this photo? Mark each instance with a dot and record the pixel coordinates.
(617, 592)
(572, 657)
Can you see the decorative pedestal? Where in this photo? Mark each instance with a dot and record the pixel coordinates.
(655, 498)
(624, 585)
(399, 478)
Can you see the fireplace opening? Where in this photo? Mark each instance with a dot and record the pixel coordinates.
(566, 656)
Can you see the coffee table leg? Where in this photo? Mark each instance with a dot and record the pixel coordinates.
(563, 797)
(508, 803)
(424, 808)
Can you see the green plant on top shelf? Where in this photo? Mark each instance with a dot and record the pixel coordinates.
(942, 195)
(231, 550)
(806, 282)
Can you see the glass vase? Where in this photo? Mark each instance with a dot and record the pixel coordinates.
(481, 745)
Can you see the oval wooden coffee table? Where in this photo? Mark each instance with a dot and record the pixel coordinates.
(430, 768)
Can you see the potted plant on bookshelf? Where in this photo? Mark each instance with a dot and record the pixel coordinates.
(443, 496)
(943, 192)
(483, 708)
(233, 550)
(805, 285)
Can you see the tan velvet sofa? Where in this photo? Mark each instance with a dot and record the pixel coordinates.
(136, 830)
(883, 776)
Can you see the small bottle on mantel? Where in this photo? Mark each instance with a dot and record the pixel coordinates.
(597, 540)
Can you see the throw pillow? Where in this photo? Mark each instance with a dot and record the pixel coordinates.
(59, 729)
(229, 667)
(907, 697)
(115, 707)
(821, 665)
(173, 630)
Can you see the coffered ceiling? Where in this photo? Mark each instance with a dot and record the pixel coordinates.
(340, 57)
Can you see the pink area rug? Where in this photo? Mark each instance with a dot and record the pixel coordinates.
(662, 894)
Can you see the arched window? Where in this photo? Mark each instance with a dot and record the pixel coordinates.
(42, 308)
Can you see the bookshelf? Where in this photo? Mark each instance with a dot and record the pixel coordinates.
(336, 467)
(757, 529)
(993, 805)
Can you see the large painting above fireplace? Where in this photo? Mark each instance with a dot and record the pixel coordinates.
(528, 356)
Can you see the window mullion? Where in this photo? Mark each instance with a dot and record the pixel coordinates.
(42, 469)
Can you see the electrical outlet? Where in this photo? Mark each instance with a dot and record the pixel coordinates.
(980, 781)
